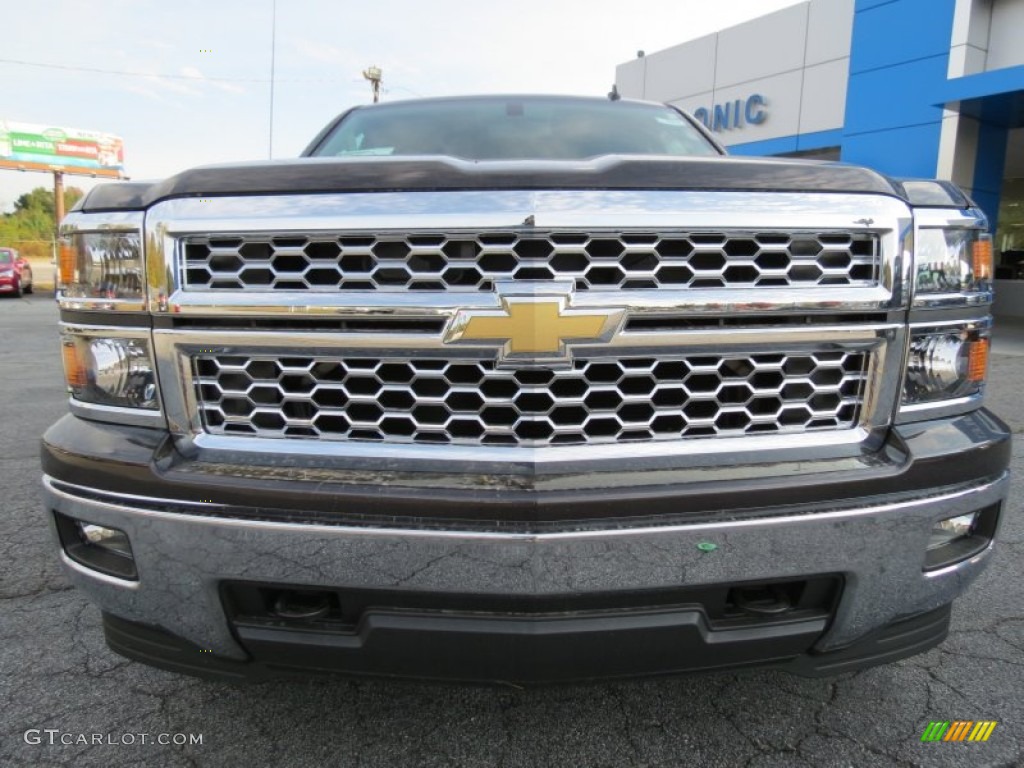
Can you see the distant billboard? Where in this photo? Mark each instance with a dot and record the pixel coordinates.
(28, 147)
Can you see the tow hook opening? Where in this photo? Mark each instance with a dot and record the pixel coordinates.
(772, 599)
(303, 605)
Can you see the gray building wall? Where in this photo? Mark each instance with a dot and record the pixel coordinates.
(796, 58)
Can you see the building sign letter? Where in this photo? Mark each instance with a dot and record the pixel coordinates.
(755, 114)
(734, 114)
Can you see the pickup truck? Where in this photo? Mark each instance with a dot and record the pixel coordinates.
(524, 389)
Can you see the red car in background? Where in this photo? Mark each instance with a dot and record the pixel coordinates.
(15, 273)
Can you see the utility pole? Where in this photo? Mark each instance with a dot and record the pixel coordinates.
(58, 201)
(374, 75)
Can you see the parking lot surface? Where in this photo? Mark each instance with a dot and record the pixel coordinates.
(56, 673)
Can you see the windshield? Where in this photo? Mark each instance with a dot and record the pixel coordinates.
(6, 257)
(514, 128)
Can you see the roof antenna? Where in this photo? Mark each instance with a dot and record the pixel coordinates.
(613, 94)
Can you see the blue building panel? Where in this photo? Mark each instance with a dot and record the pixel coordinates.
(895, 32)
(905, 151)
(819, 139)
(802, 142)
(895, 97)
(899, 60)
(988, 170)
(863, 5)
(991, 97)
(765, 147)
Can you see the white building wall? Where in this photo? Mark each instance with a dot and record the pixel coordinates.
(986, 36)
(968, 53)
(770, 45)
(968, 47)
(796, 58)
(1004, 34)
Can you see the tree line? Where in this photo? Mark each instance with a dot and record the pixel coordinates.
(29, 229)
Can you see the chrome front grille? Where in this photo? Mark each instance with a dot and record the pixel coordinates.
(472, 261)
(474, 402)
(338, 327)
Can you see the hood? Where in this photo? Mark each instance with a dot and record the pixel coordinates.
(400, 174)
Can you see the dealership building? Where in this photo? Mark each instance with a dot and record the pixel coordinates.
(925, 88)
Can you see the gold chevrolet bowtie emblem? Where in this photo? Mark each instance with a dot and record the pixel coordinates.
(531, 326)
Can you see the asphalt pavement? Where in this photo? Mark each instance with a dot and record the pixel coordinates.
(66, 700)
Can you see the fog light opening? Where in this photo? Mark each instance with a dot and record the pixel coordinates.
(951, 529)
(960, 537)
(105, 538)
(98, 547)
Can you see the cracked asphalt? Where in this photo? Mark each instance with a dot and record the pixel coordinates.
(56, 673)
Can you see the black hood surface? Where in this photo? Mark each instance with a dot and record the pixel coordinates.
(393, 174)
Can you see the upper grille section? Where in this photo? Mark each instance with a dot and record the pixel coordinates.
(465, 401)
(452, 261)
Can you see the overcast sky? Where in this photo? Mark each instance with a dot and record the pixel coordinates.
(200, 88)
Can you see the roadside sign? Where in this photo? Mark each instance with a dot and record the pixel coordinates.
(31, 147)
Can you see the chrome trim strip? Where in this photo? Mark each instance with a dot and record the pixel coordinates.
(952, 300)
(112, 221)
(983, 324)
(508, 208)
(89, 329)
(118, 498)
(970, 218)
(982, 494)
(92, 305)
(776, 339)
(507, 459)
(940, 409)
(710, 301)
(136, 417)
(92, 573)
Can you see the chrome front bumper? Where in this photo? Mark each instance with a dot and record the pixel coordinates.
(183, 559)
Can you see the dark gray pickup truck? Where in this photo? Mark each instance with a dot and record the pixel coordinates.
(524, 389)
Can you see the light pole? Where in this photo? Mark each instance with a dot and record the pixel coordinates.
(374, 75)
(273, 50)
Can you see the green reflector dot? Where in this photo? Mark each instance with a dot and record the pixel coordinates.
(707, 546)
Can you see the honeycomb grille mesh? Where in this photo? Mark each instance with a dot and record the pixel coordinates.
(474, 261)
(430, 400)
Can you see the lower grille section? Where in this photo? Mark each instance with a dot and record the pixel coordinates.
(464, 401)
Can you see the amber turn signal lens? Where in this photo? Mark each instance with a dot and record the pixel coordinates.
(981, 258)
(977, 360)
(74, 370)
(67, 264)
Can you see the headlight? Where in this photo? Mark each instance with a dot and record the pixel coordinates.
(6, 273)
(101, 262)
(946, 365)
(952, 261)
(110, 370)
